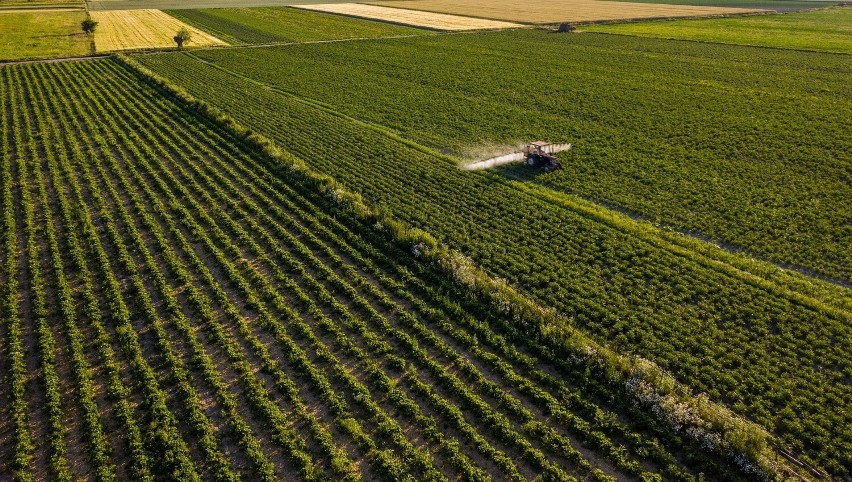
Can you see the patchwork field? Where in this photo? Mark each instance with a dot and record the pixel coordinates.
(143, 29)
(270, 25)
(828, 30)
(762, 348)
(162, 270)
(437, 21)
(265, 261)
(554, 11)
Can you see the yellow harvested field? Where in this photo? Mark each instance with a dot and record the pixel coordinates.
(553, 11)
(141, 29)
(438, 21)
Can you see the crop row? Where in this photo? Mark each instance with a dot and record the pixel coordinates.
(212, 202)
(769, 356)
(219, 323)
(110, 193)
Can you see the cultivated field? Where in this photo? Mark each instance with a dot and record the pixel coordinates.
(828, 30)
(436, 21)
(271, 25)
(720, 329)
(177, 304)
(40, 34)
(553, 11)
(143, 29)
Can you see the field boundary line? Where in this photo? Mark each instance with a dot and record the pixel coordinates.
(731, 263)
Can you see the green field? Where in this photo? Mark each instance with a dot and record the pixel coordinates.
(270, 25)
(42, 34)
(740, 145)
(828, 30)
(178, 304)
(755, 151)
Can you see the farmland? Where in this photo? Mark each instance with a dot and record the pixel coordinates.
(142, 29)
(39, 34)
(636, 148)
(271, 25)
(437, 21)
(740, 341)
(161, 270)
(554, 11)
(828, 30)
(265, 259)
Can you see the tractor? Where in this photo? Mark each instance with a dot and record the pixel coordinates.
(540, 155)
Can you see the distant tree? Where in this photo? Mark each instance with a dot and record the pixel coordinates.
(89, 25)
(183, 36)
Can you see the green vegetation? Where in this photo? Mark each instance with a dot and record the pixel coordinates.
(706, 136)
(828, 30)
(270, 25)
(744, 146)
(42, 34)
(199, 306)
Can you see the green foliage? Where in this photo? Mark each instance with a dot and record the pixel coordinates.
(824, 30)
(737, 337)
(89, 25)
(271, 25)
(182, 36)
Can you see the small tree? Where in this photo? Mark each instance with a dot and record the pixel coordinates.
(89, 25)
(183, 36)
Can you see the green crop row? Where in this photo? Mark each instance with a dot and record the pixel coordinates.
(757, 346)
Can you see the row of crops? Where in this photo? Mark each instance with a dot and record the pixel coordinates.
(176, 306)
(771, 355)
(744, 146)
